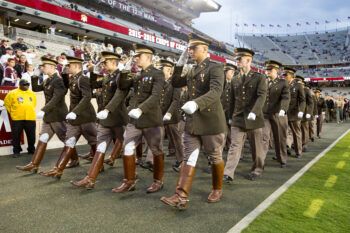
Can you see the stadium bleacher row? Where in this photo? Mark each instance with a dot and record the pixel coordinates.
(308, 49)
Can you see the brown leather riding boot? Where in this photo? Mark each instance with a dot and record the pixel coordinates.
(129, 181)
(74, 160)
(89, 181)
(117, 148)
(89, 156)
(217, 171)
(139, 154)
(158, 173)
(38, 156)
(180, 199)
(57, 171)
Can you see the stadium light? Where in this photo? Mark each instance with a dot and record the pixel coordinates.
(16, 20)
(60, 30)
(28, 22)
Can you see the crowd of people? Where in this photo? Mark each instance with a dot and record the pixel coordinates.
(142, 100)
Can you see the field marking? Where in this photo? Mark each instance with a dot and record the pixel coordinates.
(244, 222)
(330, 182)
(314, 208)
(340, 164)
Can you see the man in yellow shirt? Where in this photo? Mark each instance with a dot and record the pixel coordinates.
(20, 104)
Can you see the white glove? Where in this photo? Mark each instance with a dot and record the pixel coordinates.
(300, 114)
(102, 114)
(167, 116)
(190, 107)
(71, 116)
(135, 113)
(1, 103)
(251, 116)
(183, 58)
(282, 113)
(308, 116)
(230, 122)
(40, 115)
(316, 116)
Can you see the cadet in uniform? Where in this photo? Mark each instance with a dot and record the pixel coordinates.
(170, 104)
(229, 71)
(52, 115)
(81, 117)
(146, 121)
(205, 121)
(296, 108)
(247, 100)
(309, 107)
(111, 119)
(312, 122)
(275, 109)
(321, 109)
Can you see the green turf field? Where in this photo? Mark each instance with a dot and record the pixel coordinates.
(318, 202)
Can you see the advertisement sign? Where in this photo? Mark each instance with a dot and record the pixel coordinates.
(5, 121)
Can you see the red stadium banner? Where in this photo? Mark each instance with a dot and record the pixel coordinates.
(5, 121)
(88, 19)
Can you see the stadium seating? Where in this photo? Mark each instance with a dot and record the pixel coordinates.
(308, 49)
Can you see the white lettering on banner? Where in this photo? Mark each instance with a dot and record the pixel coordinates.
(155, 39)
(129, 8)
(4, 120)
(111, 2)
(135, 33)
(6, 142)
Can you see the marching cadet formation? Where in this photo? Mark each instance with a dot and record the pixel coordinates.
(208, 108)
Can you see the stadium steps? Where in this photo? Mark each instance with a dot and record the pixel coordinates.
(310, 48)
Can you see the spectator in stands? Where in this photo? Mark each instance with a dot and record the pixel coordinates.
(62, 61)
(20, 104)
(30, 55)
(3, 46)
(42, 45)
(19, 45)
(28, 74)
(78, 52)
(20, 66)
(10, 76)
(4, 58)
(70, 52)
(18, 54)
(52, 29)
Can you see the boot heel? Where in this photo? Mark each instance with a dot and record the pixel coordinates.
(132, 188)
(57, 176)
